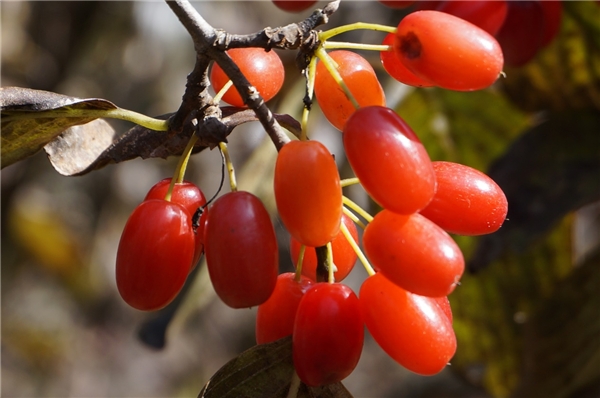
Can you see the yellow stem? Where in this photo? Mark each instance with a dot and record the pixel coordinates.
(310, 87)
(357, 209)
(353, 217)
(330, 65)
(355, 26)
(181, 166)
(331, 45)
(230, 169)
(221, 93)
(330, 266)
(359, 253)
(299, 263)
(349, 181)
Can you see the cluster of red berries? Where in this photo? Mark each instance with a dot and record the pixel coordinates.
(521, 27)
(415, 262)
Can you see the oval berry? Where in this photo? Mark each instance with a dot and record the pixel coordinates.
(360, 78)
(263, 69)
(275, 317)
(522, 33)
(308, 192)
(466, 202)
(187, 195)
(413, 330)
(344, 257)
(389, 160)
(328, 334)
(396, 69)
(241, 250)
(414, 253)
(448, 51)
(154, 254)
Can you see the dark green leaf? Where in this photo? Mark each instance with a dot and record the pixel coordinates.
(33, 118)
(264, 371)
(548, 172)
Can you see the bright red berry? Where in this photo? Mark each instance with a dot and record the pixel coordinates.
(489, 15)
(412, 329)
(360, 78)
(263, 69)
(241, 250)
(275, 317)
(396, 69)
(466, 202)
(413, 253)
(294, 5)
(448, 51)
(308, 192)
(389, 160)
(328, 334)
(154, 255)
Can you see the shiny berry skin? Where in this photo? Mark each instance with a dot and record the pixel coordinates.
(444, 304)
(396, 69)
(413, 330)
(154, 255)
(294, 5)
(359, 76)
(187, 195)
(413, 253)
(448, 51)
(241, 250)
(466, 202)
(328, 334)
(344, 256)
(522, 33)
(389, 160)
(308, 192)
(263, 69)
(275, 317)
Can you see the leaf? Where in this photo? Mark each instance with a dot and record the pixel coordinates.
(33, 118)
(264, 371)
(78, 146)
(551, 170)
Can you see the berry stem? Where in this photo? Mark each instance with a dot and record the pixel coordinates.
(330, 265)
(330, 45)
(181, 166)
(299, 263)
(355, 26)
(310, 88)
(361, 256)
(349, 181)
(356, 208)
(353, 217)
(230, 169)
(330, 64)
(294, 386)
(222, 91)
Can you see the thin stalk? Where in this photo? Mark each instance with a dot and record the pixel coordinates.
(230, 169)
(330, 65)
(361, 256)
(222, 91)
(181, 166)
(349, 181)
(299, 263)
(310, 88)
(330, 45)
(357, 209)
(355, 26)
(353, 217)
(330, 265)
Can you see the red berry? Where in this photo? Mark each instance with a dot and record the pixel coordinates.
(241, 250)
(489, 15)
(411, 329)
(466, 202)
(396, 69)
(344, 256)
(389, 160)
(522, 32)
(294, 5)
(308, 192)
(359, 76)
(444, 304)
(275, 317)
(413, 253)
(397, 3)
(328, 334)
(263, 69)
(448, 51)
(552, 11)
(154, 254)
(187, 195)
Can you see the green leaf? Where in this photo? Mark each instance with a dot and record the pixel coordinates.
(264, 371)
(551, 170)
(33, 118)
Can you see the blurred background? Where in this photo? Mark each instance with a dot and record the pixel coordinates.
(527, 316)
